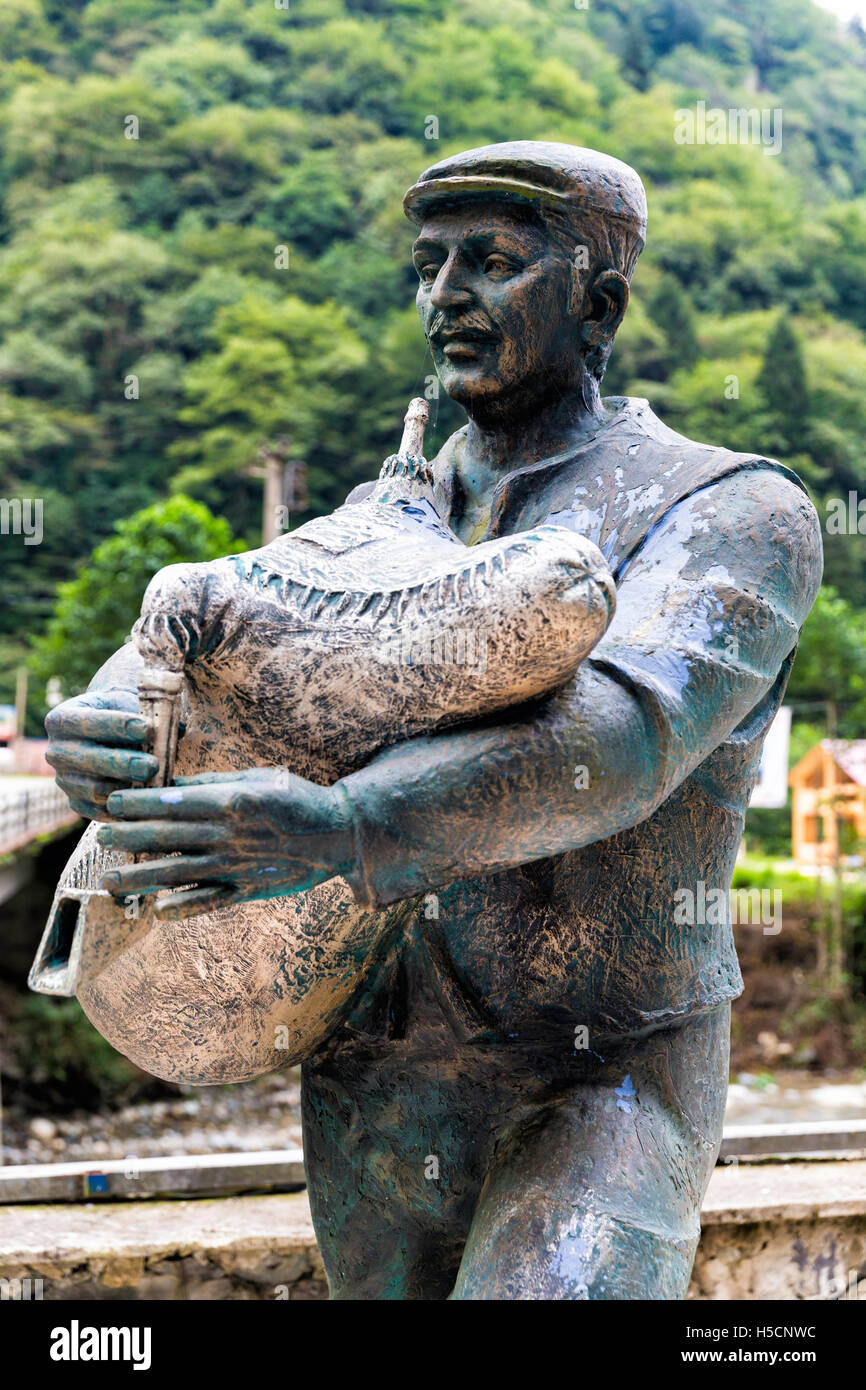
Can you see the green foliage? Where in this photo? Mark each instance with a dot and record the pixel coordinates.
(59, 1049)
(671, 310)
(282, 366)
(96, 610)
(809, 896)
(155, 258)
(831, 662)
(768, 830)
(782, 385)
(799, 890)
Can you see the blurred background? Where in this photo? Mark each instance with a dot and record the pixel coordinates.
(207, 330)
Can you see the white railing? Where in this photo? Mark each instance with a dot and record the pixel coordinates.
(32, 811)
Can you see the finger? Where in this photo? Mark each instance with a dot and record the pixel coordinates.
(163, 873)
(194, 902)
(203, 779)
(86, 788)
(152, 837)
(108, 726)
(167, 803)
(94, 761)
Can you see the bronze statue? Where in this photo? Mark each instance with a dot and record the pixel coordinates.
(514, 1055)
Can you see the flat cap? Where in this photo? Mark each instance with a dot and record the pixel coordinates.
(566, 178)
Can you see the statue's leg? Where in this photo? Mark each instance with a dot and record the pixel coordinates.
(597, 1195)
(395, 1156)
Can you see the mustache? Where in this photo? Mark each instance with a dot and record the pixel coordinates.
(472, 321)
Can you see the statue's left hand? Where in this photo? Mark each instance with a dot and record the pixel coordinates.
(237, 836)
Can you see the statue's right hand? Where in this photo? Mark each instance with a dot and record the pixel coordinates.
(96, 745)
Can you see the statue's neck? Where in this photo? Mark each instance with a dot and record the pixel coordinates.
(492, 451)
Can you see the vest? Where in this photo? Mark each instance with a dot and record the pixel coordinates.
(589, 937)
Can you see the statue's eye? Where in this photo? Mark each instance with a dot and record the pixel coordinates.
(498, 265)
(427, 273)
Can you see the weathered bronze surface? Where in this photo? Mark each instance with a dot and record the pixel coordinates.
(451, 890)
(375, 622)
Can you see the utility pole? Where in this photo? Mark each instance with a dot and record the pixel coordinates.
(285, 486)
(836, 962)
(20, 700)
(273, 494)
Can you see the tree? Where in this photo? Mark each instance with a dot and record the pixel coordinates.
(96, 610)
(782, 384)
(123, 250)
(637, 55)
(313, 203)
(830, 669)
(283, 369)
(673, 312)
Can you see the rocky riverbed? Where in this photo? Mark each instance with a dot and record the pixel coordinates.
(265, 1114)
(791, 1097)
(262, 1114)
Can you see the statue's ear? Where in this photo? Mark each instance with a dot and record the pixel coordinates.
(605, 303)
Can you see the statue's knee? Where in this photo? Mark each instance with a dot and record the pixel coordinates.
(591, 1256)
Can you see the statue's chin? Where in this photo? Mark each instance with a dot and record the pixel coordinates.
(490, 404)
(497, 401)
(481, 397)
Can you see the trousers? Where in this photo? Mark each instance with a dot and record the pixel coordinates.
(469, 1172)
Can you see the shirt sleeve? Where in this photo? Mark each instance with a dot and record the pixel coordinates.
(708, 609)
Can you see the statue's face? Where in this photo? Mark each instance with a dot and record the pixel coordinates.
(493, 300)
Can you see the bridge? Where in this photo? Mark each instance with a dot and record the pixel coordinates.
(30, 807)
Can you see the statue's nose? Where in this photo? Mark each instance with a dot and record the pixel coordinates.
(449, 288)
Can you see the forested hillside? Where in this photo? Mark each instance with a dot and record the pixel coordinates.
(202, 248)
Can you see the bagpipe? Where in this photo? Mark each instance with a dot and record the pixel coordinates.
(312, 654)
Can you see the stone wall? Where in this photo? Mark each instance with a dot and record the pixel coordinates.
(770, 1231)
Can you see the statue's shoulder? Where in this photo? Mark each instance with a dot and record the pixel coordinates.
(655, 468)
(662, 456)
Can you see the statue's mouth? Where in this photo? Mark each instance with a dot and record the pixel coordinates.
(462, 345)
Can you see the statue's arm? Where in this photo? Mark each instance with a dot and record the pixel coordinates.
(707, 612)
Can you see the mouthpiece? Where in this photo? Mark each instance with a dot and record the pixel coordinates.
(414, 425)
(159, 698)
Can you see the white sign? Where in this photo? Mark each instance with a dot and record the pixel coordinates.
(772, 787)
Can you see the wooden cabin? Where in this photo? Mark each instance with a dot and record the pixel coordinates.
(829, 799)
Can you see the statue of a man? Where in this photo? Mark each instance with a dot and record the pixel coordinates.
(526, 1100)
